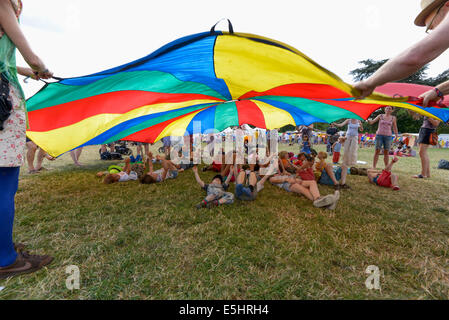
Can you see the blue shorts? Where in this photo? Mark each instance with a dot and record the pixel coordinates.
(326, 179)
(384, 141)
(244, 193)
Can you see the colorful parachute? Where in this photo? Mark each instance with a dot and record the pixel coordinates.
(218, 79)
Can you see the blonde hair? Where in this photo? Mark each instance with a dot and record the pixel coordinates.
(322, 155)
(283, 154)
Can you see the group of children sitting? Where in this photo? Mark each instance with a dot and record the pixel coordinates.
(402, 150)
(296, 174)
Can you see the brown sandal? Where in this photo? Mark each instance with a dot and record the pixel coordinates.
(25, 263)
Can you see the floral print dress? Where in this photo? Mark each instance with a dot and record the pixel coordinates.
(13, 136)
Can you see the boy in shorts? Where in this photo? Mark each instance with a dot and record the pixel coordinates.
(117, 174)
(385, 178)
(216, 190)
(168, 170)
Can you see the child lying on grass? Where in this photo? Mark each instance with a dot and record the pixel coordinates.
(216, 190)
(117, 174)
(385, 178)
(168, 170)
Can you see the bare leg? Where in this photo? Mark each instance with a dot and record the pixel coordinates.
(252, 179)
(139, 151)
(376, 158)
(241, 177)
(330, 171)
(31, 152)
(425, 161)
(127, 167)
(40, 158)
(75, 154)
(390, 165)
(297, 188)
(394, 180)
(313, 188)
(147, 148)
(386, 158)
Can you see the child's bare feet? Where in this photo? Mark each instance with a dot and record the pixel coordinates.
(395, 159)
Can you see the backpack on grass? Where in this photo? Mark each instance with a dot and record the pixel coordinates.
(443, 164)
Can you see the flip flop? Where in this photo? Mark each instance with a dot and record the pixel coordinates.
(419, 176)
(395, 188)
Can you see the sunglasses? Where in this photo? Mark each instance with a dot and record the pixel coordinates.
(433, 19)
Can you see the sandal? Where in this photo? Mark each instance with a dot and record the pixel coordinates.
(419, 176)
(395, 188)
(344, 186)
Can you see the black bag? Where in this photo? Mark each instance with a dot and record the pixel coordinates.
(443, 164)
(105, 155)
(5, 103)
(116, 156)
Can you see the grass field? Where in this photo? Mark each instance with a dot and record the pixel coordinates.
(133, 241)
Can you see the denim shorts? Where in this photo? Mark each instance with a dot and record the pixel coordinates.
(244, 193)
(384, 141)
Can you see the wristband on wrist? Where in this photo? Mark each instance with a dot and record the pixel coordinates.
(439, 93)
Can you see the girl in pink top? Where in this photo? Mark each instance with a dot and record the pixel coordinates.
(384, 136)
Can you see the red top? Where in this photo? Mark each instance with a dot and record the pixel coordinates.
(306, 174)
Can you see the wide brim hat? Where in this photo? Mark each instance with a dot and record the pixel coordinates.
(427, 7)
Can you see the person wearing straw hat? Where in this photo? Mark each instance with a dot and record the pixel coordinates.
(434, 16)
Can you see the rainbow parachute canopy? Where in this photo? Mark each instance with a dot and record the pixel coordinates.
(219, 79)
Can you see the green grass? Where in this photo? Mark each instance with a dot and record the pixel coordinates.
(135, 241)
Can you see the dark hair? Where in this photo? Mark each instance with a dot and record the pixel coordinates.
(109, 179)
(147, 179)
(218, 176)
(313, 152)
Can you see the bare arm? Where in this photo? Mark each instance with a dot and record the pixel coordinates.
(341, 124)
(150, 163)
(10, 25)
(409, 61)
(231, 172)
(434, 122)
(432, 95)
(374, 120)
(197, 177)
(395, 127)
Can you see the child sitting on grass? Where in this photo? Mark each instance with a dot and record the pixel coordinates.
(168, 170)
(385, 178)
(324, 173)
(285, 164)
(117, 174)
(216, 190)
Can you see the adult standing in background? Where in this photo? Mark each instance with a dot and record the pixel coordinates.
(434, 16)
(351, 146)
(332, 137)
(384, 134)
(12, 135)
(428, 127)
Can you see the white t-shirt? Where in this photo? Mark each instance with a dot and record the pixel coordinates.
(126, 177)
